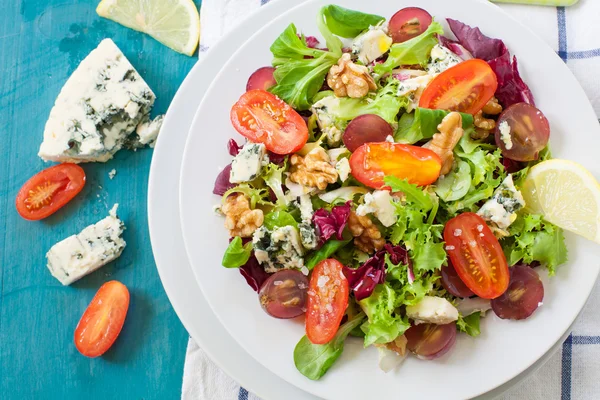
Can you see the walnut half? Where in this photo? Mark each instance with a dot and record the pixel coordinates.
(313, 170)
(444, 142)
(367, 236)
(349, 79)
(484, 126)
(240, 220)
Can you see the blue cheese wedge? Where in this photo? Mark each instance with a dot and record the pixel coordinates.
(328, 123)
(82, 254)
(371, 45)
(147, 131)
(441, 59)
(98, 108)
(278, 249)
(501, 209)
(246, 166)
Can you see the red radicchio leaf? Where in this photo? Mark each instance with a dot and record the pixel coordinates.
(476, 42)
(311, 41)
(233, 148)
(331, 222)
(511, 166)
(455, 47)
(255, 275)
(363, 280)
(276, 158)
(222, 183)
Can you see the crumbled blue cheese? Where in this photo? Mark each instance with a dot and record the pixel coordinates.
(278, 249)
(441, 59)
(343, 169)
(335, 154)
(379, 203)
(502, 208)
(433, 310)
(97, 110)
(246, 166)
(147, 131)
(328, 123)
(505, 135)
(305, 207)
(413, 89)
(308, 235)
(371, 45)
(81, 254)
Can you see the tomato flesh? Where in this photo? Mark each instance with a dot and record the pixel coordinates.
(49, 190)
(327, 301)
(466, 88)
(264, 118)
(103, 320)
(476, 255)
(371, 162)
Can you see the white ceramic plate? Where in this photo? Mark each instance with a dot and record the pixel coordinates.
(475, 366)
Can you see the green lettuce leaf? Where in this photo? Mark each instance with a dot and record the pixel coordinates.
(469, 324)
(348, 23)
(278, 219)
(325, 252)
(422, 124)
(236, 254)
(273, 177)
(256, 196)
(414, 51)
(456, 184)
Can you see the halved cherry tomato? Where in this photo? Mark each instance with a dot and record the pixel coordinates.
(263, 117)
(371, 162)
(466, 87)
(48, 190)
(408, 23)
(327, 301)
(103, 320)
(476, 255)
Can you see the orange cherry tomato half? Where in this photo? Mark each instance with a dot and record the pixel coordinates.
(371, 162)
(102, 321)
(264, 118)
(48, 190)
(466, 87)
(476, 255)
(327, 301)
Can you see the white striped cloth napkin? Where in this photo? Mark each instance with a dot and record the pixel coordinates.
(573, 372)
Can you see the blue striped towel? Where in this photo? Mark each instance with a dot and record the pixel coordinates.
(572, 373)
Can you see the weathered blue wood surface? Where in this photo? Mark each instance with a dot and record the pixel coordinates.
(41, 43)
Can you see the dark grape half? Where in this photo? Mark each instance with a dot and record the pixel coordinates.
(524, 294)
(284, 294)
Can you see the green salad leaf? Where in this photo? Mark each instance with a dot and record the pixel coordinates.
(236, 254)
(326, 251)
(469, 324)
(256, 196)
(273, 177)
(533, 239)
(278, 219)
(313, 360)
(348, 23)
(383, 324)
(456, 184)
(422, 124)
(412, 52)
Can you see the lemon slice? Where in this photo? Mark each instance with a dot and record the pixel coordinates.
(566, 194)
(174, 23)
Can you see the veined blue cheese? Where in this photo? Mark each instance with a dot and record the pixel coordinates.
(441, 59)
(380, 204)
(371, 45)
(82, 254)
(413, 89)
(502, 208)
(328, 123)
(147, 131)
(246, 166)
(278, 249)
(98, 108)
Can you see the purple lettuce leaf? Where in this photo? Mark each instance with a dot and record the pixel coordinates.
(511, 87)
(233, 148)
(329, 223)
(476, 42)
(455, 47)
(362, 281)
(222, 183)
(255, 274)
(278, 159)
(511, 166)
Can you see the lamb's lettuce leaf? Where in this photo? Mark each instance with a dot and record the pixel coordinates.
(348, 23)
(422, 124)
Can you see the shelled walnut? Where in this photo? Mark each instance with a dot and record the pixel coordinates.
(484, 126)
(349, 79)
(313, 170)
(443, 143)
(367, 236)
(240, 219)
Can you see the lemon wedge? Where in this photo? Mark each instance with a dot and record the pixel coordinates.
(174, 23)
(566, 194)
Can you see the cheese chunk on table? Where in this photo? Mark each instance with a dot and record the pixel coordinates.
(82, 254)
(98, 108)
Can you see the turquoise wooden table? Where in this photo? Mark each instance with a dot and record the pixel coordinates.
(41, 43)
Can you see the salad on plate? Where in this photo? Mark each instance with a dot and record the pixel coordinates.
(395, 185)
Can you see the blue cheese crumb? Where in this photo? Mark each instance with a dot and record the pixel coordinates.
(505, 135)
(247, 165)
(278, 249)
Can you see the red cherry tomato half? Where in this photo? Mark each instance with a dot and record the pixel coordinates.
(367, 128)
(466, 87)
(371, 162)
(408, 23)
(284, 294)
(476, 255)
(263, 117)
(262, 78)
(327, 301)
(103, 320)
(522, 132)
(49, 190)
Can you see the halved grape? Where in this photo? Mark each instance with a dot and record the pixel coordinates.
(429, 341)
(522, 132)
(524, 294)
(284, 294)
(452, 282)
(262, 78)
(408, 23)
(367, 128)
